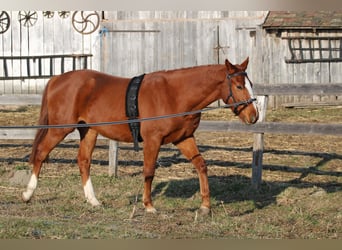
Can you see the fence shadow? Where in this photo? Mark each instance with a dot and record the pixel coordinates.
(224, 189)
(175, 157)
(237, 188)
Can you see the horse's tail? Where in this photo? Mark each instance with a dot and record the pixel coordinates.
(43, 120)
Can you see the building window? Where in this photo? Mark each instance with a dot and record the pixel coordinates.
(314, 49)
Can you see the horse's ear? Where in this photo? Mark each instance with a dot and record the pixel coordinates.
(229, 65)
(244, 64)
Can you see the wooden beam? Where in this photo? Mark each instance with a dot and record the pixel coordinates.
(273, 127)
(29, 134)
(311, 104)
(297, 89)
(225, 126)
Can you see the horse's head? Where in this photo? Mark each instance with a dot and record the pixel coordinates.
(240, 93)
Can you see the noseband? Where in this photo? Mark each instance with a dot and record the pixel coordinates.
(235, 103)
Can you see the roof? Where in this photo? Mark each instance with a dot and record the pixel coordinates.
(303, 20)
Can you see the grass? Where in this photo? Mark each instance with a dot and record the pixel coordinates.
(278, 210)
(300, 197)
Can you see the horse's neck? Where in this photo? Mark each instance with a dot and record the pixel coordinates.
(205, 87)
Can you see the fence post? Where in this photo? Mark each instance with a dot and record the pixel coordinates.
(113, 158)
(258, 145)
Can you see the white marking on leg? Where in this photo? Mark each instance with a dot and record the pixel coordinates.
(89, 193)
(31, 186)
(250, 91)
(151, 210)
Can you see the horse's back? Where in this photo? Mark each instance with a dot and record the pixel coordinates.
(75, 80)
(75, 93)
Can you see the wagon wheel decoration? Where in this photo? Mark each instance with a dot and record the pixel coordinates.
(85, 22)
(27, 18)
(48, 14)
(64, 14)
(4, 22)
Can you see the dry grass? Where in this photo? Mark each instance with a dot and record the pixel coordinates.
(300, 196)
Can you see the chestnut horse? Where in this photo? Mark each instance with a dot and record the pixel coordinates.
(87, 96)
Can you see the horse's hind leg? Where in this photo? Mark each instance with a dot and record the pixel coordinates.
(151, 150)
(43, 145)
(190, 150)
(87, 144)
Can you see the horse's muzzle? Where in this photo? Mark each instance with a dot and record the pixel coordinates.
(253, 119)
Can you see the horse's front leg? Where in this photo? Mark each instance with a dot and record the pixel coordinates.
(190, 150)
(87, 144)
(151, 150)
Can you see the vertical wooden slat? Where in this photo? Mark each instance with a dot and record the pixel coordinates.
(340, 47)
(113, 158)
(258, 145)
(311, 41)
(320, 49)
(301, 49)
(73, 63)
(62, 64)
(28, 67)
(85, 62)
(5, 68)
(51, 66)
(291, 49)
(330, 49)
(39, 66)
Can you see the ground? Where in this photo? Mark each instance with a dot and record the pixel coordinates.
(300, 196)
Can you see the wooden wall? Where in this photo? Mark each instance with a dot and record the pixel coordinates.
(129, 43)
(143, 41)
(138, 42)
(273, 68)
(48, 36)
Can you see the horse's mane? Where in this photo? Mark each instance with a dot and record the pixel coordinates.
(187, 68)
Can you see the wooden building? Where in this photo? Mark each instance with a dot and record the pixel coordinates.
(302, 47)
(283, 47)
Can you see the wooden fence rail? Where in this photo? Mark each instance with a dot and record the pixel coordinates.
(259, 129)
(262, 127)
(274, 127)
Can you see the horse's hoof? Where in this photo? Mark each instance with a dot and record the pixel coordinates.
(94, 203)
(24, 198)
(204, 210)
(150, 210)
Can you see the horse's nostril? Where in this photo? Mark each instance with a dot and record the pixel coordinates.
(254, 119)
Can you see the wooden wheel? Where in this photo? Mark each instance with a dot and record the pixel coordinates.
(64, 14)
(27, 18)
(48, 14)
(4, 21)
(85, 22)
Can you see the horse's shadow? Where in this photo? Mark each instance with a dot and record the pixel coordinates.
(237, 188)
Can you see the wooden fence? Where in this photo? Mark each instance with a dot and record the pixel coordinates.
(259, 129)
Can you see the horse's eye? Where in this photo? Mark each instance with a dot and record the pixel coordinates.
(239, 86)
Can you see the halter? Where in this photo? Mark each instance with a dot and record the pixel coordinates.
(235, 103)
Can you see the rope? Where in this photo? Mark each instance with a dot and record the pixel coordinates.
(153, 118)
